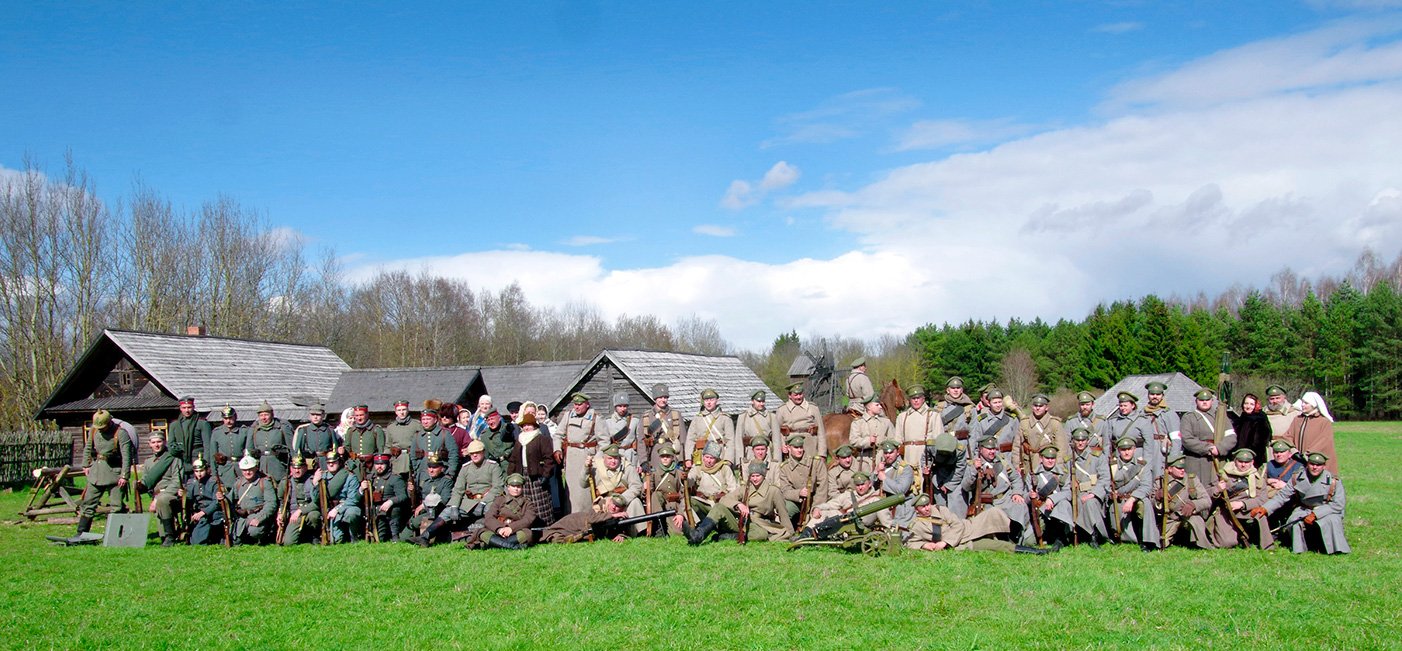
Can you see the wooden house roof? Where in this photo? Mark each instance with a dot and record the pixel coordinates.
(685, 375)
(380, 388)
(1178, 395)
(532, 381)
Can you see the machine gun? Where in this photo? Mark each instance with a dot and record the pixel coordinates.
(848, 532)
(609, 528)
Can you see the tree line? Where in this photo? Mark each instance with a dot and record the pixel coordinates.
(72, 265)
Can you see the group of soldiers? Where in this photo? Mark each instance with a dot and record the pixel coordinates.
(957, 473)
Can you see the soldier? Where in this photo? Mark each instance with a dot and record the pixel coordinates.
(478, 483)
(389, 497)
(956, 410)
(1239, 488)
(108, 454)
(895, 477)
(314, 438)
(840, 475)
(993, 480)
(437, 489)
(1202, 452)
(759, 451)
(267, 442)
(758, 504)
(868, 432)
(1039, 429)
(1283, 469)
(667, 476)
(499, 436)
(228, 442)
(1080, 504)
(1131, 481)
(304, 519)
(1279, 411)
(1046, 479)
(626, 432)
(1127, 422)
(187, 435)
(509, 518)
(1313, 430)
(916, 426)
(1317, 505)
(712, 425)
(161, 476)
(612, 477)
(858, 385)
(662, 424)
(580, 432)
(802, 418)
(590, 525)
(363, 440)
(945, 464)
(206, 513)
(1162, 427)
(801, 478)
(1086, 417)
(343, 511)
(254, 504)
(1187, 503)
(936, 528)
(709, 481)
(400, 436)
(758, 425)
(996, 422)
(861, 493)
(432, 439)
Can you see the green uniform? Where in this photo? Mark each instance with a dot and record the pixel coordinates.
(162, 477)
(269, 444)
(389, 487)
(400, 436)
(227, 445)
(187, 438)
(107, 456)
(255, 505)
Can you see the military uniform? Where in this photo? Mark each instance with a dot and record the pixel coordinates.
(387, 487)
(187, 437)
(1132, 480)
(500, 439)
(768, 518)
(227, 445)
(343, 496)
(1316, 512)
(1313, 434)
(108, 455)
(915, 427)
(202, 497)
(476, 486)
(1091, 423)
(268, 444)
(661, 428)
(947, 463)
(314, 441)
(858, 385)
(897, 478)
(995, 483)
(978, 533)
(585, 526)
(1198, 436)
(1243, 486)
(756, 425)
(1155, 446)
(436, 441)
(796, 475)
(363, 442)
(1281, 418)
(804, 419)
(512, 511)
(1034, 434)
(305, 503)
(1087, 474)
(622, 481)
(712, 427)
(666, 480)
(626, 432)
(864, 429)
(957, 416)
(844, 502)
(400, 436)
(161, 476)
(581, 435)
(255, 507)
(1002, 426)
(838, 479)
(707, 485)
(1188, 504)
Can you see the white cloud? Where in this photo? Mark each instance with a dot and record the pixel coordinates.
(842, 117)
(743, 194)
(934, 134)
(590, 240)
(1179, 197)
(713, 230)
(1118, 28)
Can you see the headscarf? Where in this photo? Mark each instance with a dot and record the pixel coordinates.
(1315, 399)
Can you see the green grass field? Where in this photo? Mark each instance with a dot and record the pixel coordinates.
(662, 593)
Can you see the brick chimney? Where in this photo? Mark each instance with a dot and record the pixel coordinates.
(195, 331)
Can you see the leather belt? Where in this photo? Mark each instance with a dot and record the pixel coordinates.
(583, 446)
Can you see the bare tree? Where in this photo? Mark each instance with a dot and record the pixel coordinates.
(1019, 374)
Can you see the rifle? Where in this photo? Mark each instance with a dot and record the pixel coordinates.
(223, 497)
(589, 477)
(807, 503)
(686, 498)
(1075, 501)
(624, 523)
(1163, 512)
(372, 525)
(286, 508)
(325, 512)
(1226, 504)
(1031, 503)
(182, 523)
(1115, 500)
(135, 483)
(742, 535)
(647, 500)
(976, 504)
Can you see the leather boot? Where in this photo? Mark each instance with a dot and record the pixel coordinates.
(84, 524)
(504, 543)
(702, 530)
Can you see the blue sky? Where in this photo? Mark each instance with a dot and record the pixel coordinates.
(766, 165)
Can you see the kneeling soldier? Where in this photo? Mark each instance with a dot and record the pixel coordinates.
(1241, 489)
(304, 521)
(437, 489)
(1131, 480)
(992, 480)
(390, 496)
(1187, 501)
(342, 499)
(206, 511)
(667, 478)
(255, 504)
(1317, 504)
(161, 476)
(510, 517)
(708, 482)
(757, 511)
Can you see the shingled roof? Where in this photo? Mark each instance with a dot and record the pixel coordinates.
(380, 388)
(685, 375)
(532, 381)
(214, 370)
(1178, 396)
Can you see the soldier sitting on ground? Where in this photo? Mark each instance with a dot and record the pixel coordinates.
(508, 522)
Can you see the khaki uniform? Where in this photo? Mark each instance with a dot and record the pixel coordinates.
(914, 428)
(794, 476)
(1186, 491)
(753, 426)
(976, 533)
(837, 481)
(859, 388)
(711, 427)
(804, 418)
(581, 436)
(769, 518)
(1250, 491)
(709, 485)
(577, 527)
(659, 428)
(1038, 433)
(860, 435)
(626, 433)
(474, 488)
(844, 502)
(623, 481)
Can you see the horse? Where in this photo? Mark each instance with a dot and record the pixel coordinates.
(837, 426)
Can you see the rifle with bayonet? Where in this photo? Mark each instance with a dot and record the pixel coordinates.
(647, 500)
(1219, 432)
(623, 524)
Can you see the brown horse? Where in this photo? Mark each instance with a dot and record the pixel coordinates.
(837, 426)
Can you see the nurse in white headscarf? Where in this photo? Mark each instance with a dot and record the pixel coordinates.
(1313, 430)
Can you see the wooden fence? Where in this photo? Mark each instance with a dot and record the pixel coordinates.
(22, 452)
